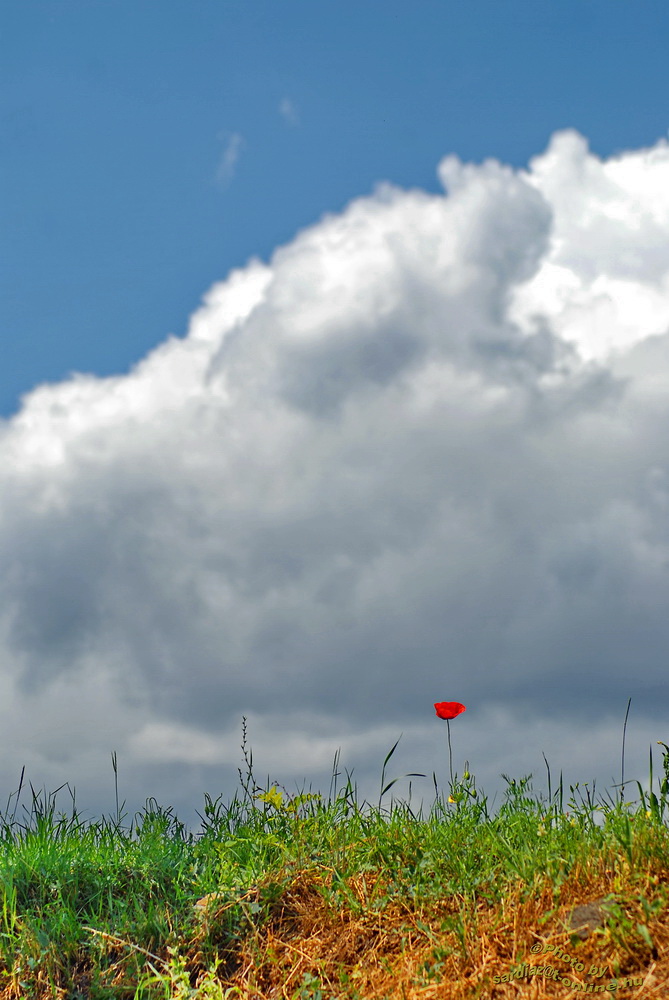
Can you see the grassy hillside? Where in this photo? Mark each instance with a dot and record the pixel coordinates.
(298, 898)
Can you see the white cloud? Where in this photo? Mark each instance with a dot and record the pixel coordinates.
(608, 272)
(234, 143)
(288, 111)
(419, 455)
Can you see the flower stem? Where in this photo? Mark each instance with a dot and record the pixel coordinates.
(450, 751)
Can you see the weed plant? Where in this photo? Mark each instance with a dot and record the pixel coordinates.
(298, 898)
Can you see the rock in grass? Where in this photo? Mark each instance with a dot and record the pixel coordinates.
(587, 917)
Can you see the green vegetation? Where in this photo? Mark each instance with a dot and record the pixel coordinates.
(302, 899)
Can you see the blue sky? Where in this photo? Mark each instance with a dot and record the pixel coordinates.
(117, 117)
(333, 386)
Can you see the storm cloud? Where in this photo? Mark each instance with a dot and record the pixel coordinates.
(419, 455)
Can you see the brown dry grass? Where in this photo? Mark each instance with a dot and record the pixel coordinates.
(388, 953)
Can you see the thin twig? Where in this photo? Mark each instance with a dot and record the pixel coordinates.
(128, 944)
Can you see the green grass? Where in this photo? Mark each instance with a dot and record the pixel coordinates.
(400, 902)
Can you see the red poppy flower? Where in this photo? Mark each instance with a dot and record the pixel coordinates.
(449, 709)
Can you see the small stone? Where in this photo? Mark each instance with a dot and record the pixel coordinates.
(207, 901)
(586, 917)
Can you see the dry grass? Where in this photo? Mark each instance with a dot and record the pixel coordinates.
(453, 948)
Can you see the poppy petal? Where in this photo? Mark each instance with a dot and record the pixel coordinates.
(449, 709)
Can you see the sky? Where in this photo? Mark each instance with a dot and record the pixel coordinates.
(334, 384)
